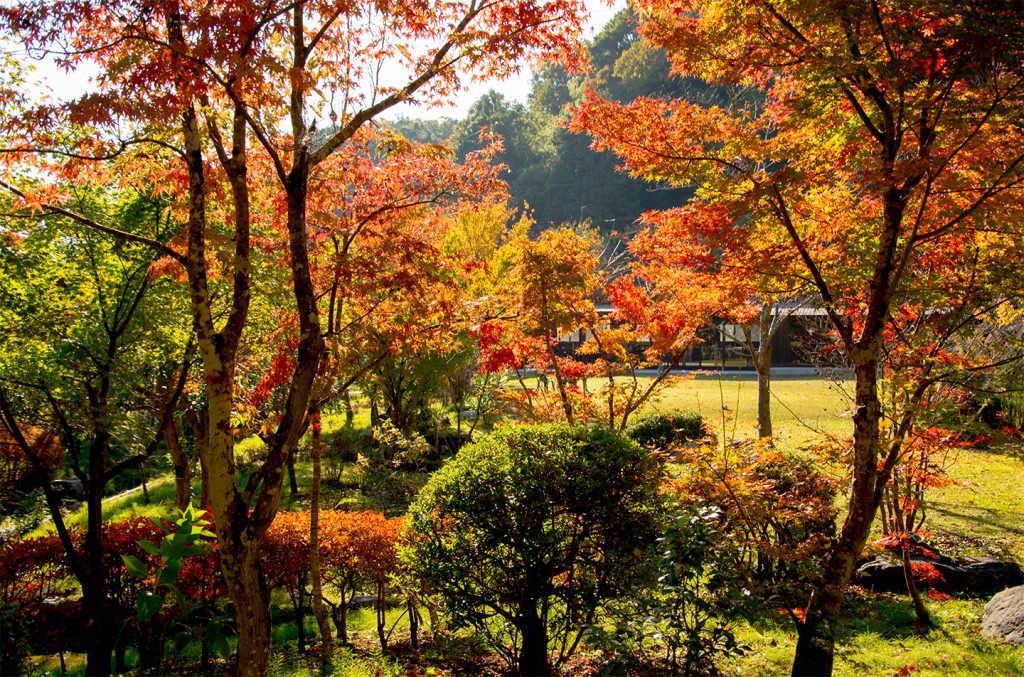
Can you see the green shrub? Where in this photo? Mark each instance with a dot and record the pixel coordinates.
(250, 454)
(527, 531)
(385, 472)
(665, 430)
(685, 619)
(698, 593)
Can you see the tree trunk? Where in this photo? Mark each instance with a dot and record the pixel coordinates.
(533, 654)
(300, 612)
(817, 633)
(920, 610)
(182, 470)
(293, 483)
(768, 323)
(559, 381)
(97, 613)
(319, 610)
(435, 618)
(201, 431)
(249, 592)
(380, 606)
(239, 552)
(145, 486)
(204, 492)
(414, 623)
(340, 616)
(764, 391)
(99, 631)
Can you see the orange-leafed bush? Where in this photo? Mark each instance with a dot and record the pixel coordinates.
(339, 561)
(777, 510)
(358, 550)
(376, 544)
(285, 552)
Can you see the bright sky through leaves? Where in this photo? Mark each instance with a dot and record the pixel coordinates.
(53, 81)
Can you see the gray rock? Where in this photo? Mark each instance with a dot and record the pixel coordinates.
(1004, 616)
(362, 602)
(970, 575)
(72, 487)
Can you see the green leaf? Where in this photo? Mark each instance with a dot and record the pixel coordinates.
(216, 640)
(181, 641)
(149, 548)
(169, 574)
(149, 604)
(135, 566)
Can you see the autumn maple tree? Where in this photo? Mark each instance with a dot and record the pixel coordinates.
(870, 136)
(548, 284)
(660, 304)
(237, 111)
(542, 298)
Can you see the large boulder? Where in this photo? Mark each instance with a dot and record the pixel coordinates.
(1004, 616)
(969, 575)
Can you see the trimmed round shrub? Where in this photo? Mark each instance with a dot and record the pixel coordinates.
(663, 431)
(527, 531)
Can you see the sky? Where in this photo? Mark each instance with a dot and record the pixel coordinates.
(63, 86)
(516, 88)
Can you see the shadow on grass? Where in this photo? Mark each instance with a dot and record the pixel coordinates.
(978, 519)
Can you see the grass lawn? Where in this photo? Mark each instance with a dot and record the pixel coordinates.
(803, 408)
(983, 512)
(879, 637)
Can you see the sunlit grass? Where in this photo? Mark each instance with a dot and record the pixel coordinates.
(882, 639)
(804, 408)
(879, 637)
(983, 512)
(123, 506)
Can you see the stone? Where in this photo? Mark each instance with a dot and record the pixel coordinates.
(1004, 616)
(970, 575)
(980, 575)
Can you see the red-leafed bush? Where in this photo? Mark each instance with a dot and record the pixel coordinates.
(17, 472)
(119, 539)
(31, 570)
(37, 580)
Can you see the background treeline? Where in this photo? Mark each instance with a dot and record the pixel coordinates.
(551, 170)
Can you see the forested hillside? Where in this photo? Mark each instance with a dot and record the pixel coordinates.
(552, 170)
